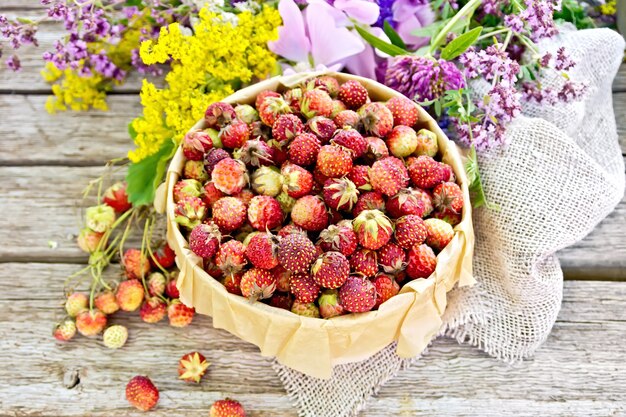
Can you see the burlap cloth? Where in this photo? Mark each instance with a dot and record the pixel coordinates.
(560, 175)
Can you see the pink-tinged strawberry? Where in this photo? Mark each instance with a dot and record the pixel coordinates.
(339, 237)
(179, 314)
(281, 300)
(156, 284)
(422, 262)
(305, 309)
(204, 240)
(373, 229)
(192, 367)
(319, 179)
(229, 214)
(304, 288)
(328, 84)
(392, 258)
(76, 303)
(227, 408)
(297, 181)
(129, 295)
(190, 211)
(359, 175)
(211, 194)
(91, 322)
(254, 152)
(195, 170)
(289, 229)
(316, 102)
(212, 269)
(426, 173)
(232, 283)
(100, 218)
(135, 264)
(245, 196)
(271, 108)
(357, 295)
(331, 270)
(403, 110)
(230, 176)
(402, 141)
(260, 98)
(282, 277)
(440, 233)
(64, 330)
(376, 149)
(296, 252)
(386, 287)
(171, 290)
(293, 97)
(257, 284)
(350, 139)
(213, 157)
(287, 127)
(448, 197)
(329, 304)
(267, 181)
(334, 161)
(388, 176)
(426, 198)
(218, 115)
(141, 393)
(303, 149)
(340, 194)
(310, 213)
(426, 143)
(264, 212)
(338, 106)
(364, 262)
(262, 251)
(347, 118)
(372, 200)
(164, 256)
(195, 144)
(230, 257)
(322, 127)
(448, 217)
(153, 310)
(407, 201)
(116, 197)
(88, 240)
(353, 94)
(106, 302)
(187, 188)
(246, 113)
(279, 151)
(377, 119)
(410, 231)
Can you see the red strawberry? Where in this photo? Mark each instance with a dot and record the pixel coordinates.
(448, 217)
(129, 295)
(376, 149)
(373, 229)
(230, 257)
(331, 270)
(245, 196)
(422, 262)
(353, 94)
(153, 310)
(425, 198)
(448, 197)
(364, 261)
(218, 115)
(340, 194)
(347, 118)
(170, 288)
(141, 393)
(338, 106)
(106, 302)
(372, 200)
(187, 188)
(281, 300)
(272, 107)
(213, 157)
(229, 214)
(195, 144)
(340, 237)
(329, 304)
(316, 102)
(392, 258)
(328, 84)
(410, 231)
(282, 277)
(164, 256)
(388, 175)
(426, 143)
(359, 175)
(262, 251)
(297, 181)
(255, 152)
(289, 229)
(357, 295)
(91, 322)
(403, 110)
(211, 194)
(265, 213)
(232, 283)
(65, 330)
(287, 127)
(296, 252)
(192, 367)
(116, 197)
(135, 264)
(303, 149)
(230, 176)
(260, 98)
(179, 314)
(407, 201)
(235, 134)
(402, 141)
(190, 211)
(257, 284)
(204, 240)
(440, 233)
(376, 118)
(352, 140)
(334, 161)
(304, 288)
(227, 408)
(310, 213)
(426, 173)
(305, 309)
(386, 287)
(322, 127)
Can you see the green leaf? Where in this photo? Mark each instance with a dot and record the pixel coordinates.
(477, 193)
(131, 131)
(132, 3)
(24, 20)
(430, 30)
(460, 44)
(393, 36)
(379, 44)
(144, 177)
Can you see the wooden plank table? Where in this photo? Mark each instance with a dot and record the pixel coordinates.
(44, 163)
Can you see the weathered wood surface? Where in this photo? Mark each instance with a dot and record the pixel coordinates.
(581, 370)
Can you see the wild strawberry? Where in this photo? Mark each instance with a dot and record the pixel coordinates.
(230, 257)
(195, 170)
(402, 141)
(286, 202)
(135, 264)
(257, 284)
(156, 284)
(376, 149)
(305, 309)
(440, 233)
(425, 198)
(304, 288)
(340, 237)
(407, 201)
(297, 181)
(230, 176)
(403, 110)
(322, 127)
(187, 188)
(422, 262)
(76, 303)
(192, 367)
(179, 314)
(245, 196)
(392, 258)
(289, 229)
(213, 157)
(350, 139)
(286, 127)
(364, 261)
(347, 118)
(227, 408)
(338, 106)
(357, 295)
(260, 98)
(316, 102)
(254, 152)
(170, 288)
(65, 330)
(303, 149)
(353, 94)
(328, 84)
(91, 322)
(426, 143)
(373, 229)
(262, 251)
(229, 214)
(293, 97)
(116, 197)
(340, 194)
(232, 283)
(164, 256)
(310, 213)
(296, 252)
(141, 393)
(190, 211)
(106, 302)
(386, 287)
(115, 336)
(425, 172)
(204, 240)
(278, 151)
(372, 200)
(195, 144)
(272, 107)
(410, 231)
(377, 119)
(246, 113)
(282, 277)
(88, 240)
(153, 310)
(329, 304)
(99, 218)
(129, 295)
(448, 197)
(334, 161)
(267, 181)
(331, 270)
(388, 175)
(218, 115)
(448, 217)
(264, 212)
(359, 175)
(281, 300)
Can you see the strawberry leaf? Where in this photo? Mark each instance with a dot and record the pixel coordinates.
(144, 177)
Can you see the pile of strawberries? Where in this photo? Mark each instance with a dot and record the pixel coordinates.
(316, 200)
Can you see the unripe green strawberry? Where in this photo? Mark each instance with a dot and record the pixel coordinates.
(76, 303)
(115, 336)
(195, 170)
(329, 304)
(100, 218)
(286, 202)
(267, 181)
(305, 309)
(65, 330)
(402, 141)
(246, 113)
(426, 143)
(187, 188)
(190, 211)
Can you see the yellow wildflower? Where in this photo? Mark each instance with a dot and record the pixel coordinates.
(608, 8)
(73, 91)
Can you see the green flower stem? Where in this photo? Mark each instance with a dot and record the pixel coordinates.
(492, 33)
(466, 11)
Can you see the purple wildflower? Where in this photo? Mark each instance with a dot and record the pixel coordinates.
(537, 18)
(386, 13)
(14, 63)
(572, 91)
(491, 63)
(563, 62)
